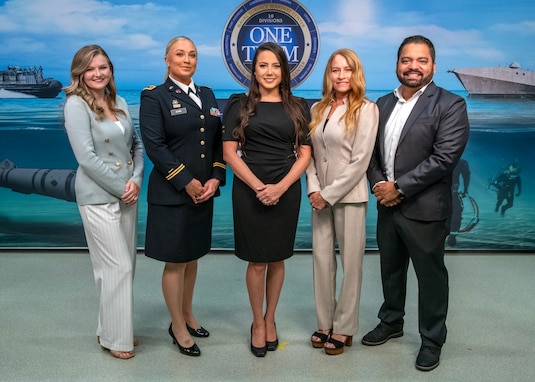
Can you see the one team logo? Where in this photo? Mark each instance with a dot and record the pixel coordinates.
(285, 22)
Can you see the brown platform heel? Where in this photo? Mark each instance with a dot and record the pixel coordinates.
(338, 345)
(323, 338)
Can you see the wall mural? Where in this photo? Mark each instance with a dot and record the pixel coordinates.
(37, 206)
(493, 200)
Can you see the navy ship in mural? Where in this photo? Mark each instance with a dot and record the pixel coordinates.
(497, 81)
(29, 81)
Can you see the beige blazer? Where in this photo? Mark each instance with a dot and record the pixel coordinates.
(339, 161)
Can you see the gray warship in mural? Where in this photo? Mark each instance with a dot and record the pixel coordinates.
(55, 183)
(29, 81)
(497, 81)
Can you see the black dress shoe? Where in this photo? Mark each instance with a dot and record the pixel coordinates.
(201, 332)
(428, 358)
(193, 350)
(380, 335)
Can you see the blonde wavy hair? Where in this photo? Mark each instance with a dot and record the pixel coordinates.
(80, 62)
(355, 99)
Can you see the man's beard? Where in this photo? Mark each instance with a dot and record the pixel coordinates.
(413, 83)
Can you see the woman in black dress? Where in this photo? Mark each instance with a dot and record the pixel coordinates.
(265, 143)
(182, 137)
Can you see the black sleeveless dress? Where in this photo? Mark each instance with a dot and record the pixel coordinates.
(262, 233)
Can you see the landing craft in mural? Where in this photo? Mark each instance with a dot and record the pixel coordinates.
(29, 81)
(55, 183)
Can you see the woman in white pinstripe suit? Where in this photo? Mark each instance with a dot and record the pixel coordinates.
(108, 181)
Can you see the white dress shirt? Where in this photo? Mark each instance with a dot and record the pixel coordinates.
(394, 127)
(189, 90)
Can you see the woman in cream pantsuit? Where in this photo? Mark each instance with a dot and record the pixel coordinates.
(343, 130)
(108, 181)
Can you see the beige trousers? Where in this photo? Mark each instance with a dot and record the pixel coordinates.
(345, 224)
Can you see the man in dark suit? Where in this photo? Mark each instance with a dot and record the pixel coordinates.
(423, 130)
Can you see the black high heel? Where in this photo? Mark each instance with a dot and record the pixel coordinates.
(201, 332)
(272, 345)
(193, 350)
(258, 352)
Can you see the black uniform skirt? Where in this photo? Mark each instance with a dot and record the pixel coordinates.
(179, 233)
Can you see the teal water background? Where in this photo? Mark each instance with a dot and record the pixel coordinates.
(32, 136)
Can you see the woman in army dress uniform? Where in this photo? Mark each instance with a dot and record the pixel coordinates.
(268, 126)
(181, 129)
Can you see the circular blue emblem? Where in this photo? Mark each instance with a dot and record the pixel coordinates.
(285, 22)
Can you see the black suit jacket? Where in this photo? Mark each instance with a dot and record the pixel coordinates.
(431, 142)
(182, 140)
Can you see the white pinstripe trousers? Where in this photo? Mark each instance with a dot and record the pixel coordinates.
(344, 223)
(111, 234)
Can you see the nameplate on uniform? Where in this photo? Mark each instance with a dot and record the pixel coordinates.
(180, 111)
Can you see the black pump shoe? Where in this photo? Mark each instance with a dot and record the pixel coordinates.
(258, 352)
(272, 345)
(201, 332)
(193, 350)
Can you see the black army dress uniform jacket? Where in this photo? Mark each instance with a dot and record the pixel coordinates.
(183, 141)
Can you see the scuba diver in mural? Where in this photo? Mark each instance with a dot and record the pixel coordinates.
(504, 184)
(461, 170)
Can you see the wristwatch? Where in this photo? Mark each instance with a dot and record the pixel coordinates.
(396, 186)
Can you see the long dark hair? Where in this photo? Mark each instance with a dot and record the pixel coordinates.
(291, 104)
(80, 62)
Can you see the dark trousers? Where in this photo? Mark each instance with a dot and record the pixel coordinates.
(399, 240)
